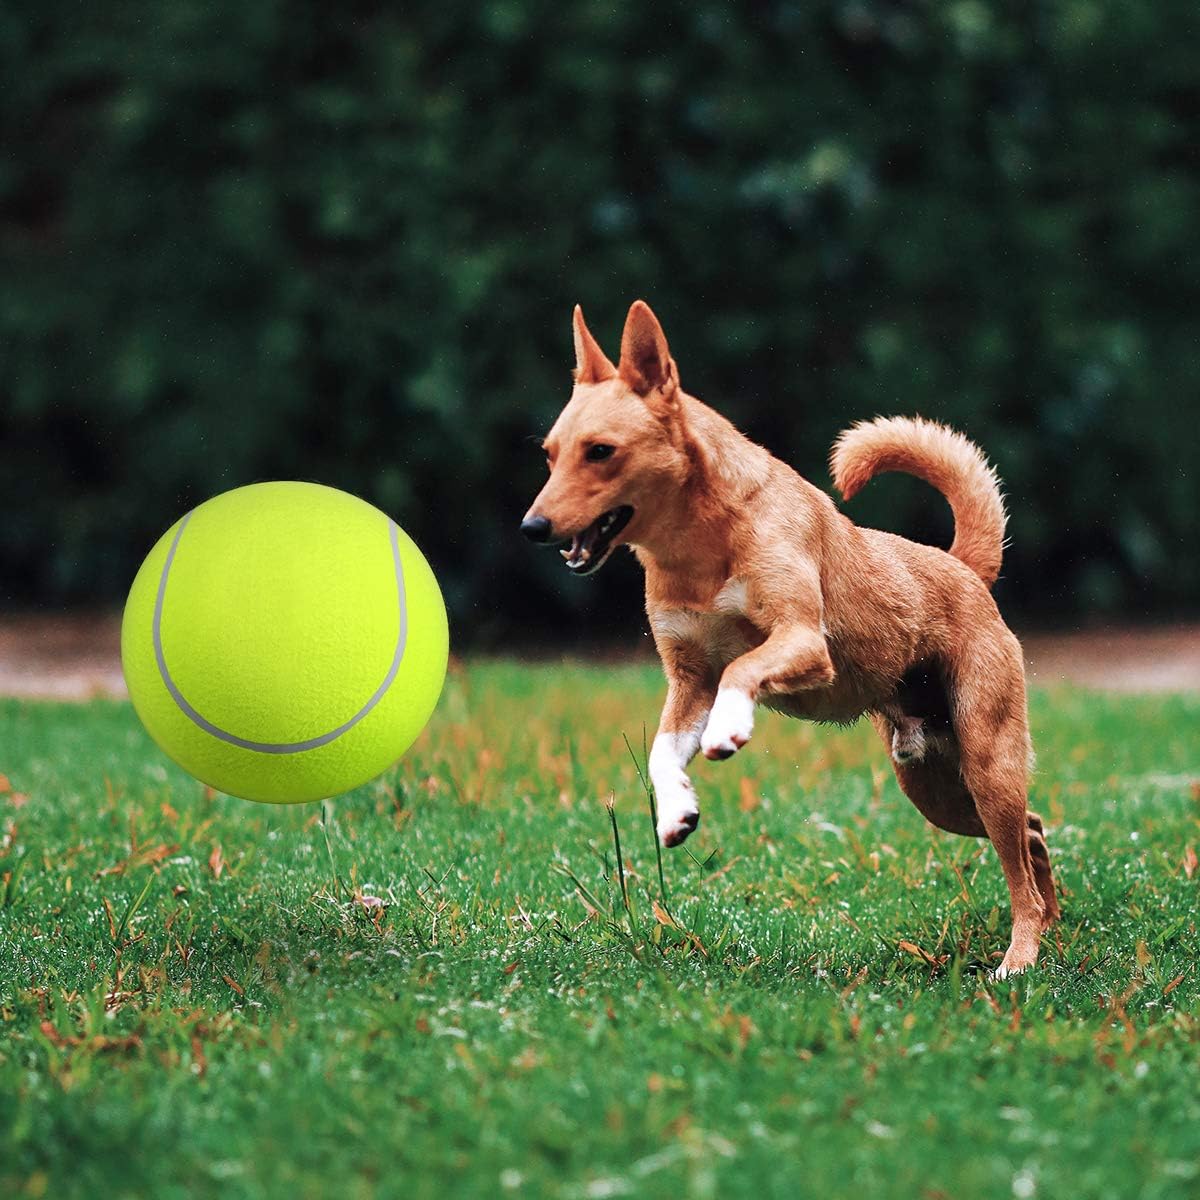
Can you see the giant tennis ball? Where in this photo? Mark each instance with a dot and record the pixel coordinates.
(284, 642)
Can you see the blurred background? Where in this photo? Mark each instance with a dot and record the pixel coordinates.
(342, 243)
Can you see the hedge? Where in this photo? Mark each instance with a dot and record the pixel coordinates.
(342, 242)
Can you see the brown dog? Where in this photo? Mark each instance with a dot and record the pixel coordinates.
(759, 591)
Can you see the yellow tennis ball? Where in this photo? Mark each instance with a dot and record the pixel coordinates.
(284, 642)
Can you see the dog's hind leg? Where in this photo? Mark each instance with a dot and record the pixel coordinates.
(1040, 855)
(935, 785)
(988, 687)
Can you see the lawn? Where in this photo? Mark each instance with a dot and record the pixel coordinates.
(436, 986)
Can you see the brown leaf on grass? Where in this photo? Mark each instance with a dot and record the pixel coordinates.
(661, 915)
(5, 785)
(1172, 985)
(18, 799)
(216, 862)
(97, 1043)
(102, 1043)
(916, 951)
(750, 799)
(139, 856)
(51, 1033)
(233, 983)
(1190, 862)
(858, 980)
(199, 1062)
(1142, 953)
(744, 1027)
(155, 854)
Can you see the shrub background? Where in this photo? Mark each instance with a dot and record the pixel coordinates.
(242, 241)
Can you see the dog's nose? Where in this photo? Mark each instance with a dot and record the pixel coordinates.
(536, 529)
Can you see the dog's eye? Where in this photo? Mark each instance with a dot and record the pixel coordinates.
(599, 452)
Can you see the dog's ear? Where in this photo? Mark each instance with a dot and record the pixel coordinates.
(591, 363)
(646, 363)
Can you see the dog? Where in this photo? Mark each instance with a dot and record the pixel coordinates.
(760, 591)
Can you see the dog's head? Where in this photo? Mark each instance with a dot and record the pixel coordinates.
(614, 449)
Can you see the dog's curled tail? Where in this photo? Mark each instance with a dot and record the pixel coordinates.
(942, 458)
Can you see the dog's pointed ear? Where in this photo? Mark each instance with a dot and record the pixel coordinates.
(646, 363)
(592, 365)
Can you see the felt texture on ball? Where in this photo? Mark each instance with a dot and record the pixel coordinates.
(284, 642)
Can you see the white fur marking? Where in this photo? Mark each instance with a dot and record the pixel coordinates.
(730, 724)
(679, 625)
(733, 599)
(678, 810)
(717, 633)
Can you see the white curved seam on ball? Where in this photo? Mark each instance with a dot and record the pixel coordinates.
(277, 747)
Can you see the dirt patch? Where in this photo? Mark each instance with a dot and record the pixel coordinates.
(1165, 659)
(78, 657)
(70, 657)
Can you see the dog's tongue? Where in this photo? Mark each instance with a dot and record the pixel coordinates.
(581, 547)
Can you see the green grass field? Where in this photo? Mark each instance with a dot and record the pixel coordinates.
(436, 986)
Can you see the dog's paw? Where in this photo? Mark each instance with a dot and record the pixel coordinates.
(674, 831)
(730, 724)
(1017, 960)
(675, 798)
(678, 812)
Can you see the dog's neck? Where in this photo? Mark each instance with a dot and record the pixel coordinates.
(695, 528)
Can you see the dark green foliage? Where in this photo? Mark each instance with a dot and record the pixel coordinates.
(341, 242)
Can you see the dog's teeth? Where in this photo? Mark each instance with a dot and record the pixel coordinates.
(566, 554)
(584, 554)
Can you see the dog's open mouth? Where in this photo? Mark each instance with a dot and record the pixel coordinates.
(590, 548)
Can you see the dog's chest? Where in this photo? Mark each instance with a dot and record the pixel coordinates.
(723, 629)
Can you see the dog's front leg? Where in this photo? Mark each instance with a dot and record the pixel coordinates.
(690, 692)
(794, 657)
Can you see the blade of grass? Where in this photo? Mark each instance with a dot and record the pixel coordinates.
(649, 790)
(326, 816)
(131, 910)
(612, 817)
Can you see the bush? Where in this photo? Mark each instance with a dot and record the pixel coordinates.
(342, 243)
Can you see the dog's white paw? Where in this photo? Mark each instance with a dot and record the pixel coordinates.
(678, 812)
(730, 724)
(676, 828)
(674, 796)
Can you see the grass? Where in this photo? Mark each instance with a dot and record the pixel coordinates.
(441, 985)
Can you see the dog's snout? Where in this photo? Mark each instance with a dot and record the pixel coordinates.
(536, 528)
